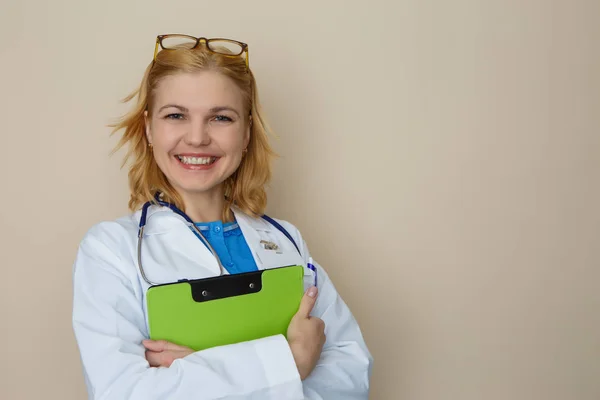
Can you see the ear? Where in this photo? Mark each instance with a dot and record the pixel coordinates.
(147, 126)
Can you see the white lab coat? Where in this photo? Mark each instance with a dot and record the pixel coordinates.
(110, 320)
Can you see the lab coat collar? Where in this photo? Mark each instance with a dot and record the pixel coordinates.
(162, 220)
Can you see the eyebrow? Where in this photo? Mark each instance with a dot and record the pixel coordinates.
(212, 110)
(180, 108)
(224, 108)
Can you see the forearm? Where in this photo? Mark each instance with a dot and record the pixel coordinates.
(342, 373)
(252, 370)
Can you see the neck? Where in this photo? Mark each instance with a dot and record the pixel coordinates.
(204, 207)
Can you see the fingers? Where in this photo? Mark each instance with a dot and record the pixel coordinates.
(308, 302)
(159, 359)
(320, 324)
(161, 345)
(155, 345)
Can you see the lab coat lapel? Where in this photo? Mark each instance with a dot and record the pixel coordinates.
(171, 248)
(257, 229)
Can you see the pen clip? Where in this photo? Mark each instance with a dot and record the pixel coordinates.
(311, 266)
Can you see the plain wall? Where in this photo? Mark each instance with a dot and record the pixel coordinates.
(442, 159)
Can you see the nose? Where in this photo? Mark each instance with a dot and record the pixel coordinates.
(198, 134)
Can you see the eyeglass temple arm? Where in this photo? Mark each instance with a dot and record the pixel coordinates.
(156, 48)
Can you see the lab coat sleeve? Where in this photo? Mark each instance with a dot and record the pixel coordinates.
(109, 325)
(344, 369)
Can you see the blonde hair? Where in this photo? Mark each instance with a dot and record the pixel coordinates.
(246, 187)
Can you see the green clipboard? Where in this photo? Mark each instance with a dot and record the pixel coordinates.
(228, 309)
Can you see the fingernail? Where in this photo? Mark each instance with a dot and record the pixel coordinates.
(312, 292)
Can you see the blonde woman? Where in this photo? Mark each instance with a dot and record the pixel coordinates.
(200, 159)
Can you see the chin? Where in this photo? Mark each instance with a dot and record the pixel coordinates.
(196, 187)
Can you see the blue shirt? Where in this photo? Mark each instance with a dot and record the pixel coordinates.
(229, 243)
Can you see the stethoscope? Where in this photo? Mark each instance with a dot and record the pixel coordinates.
(175, 209)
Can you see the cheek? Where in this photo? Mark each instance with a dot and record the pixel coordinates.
(234, 139)
(166, 136)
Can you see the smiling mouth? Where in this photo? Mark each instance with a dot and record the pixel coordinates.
(196, 160)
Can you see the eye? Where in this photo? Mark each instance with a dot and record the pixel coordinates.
(174, 116)
(222, 118)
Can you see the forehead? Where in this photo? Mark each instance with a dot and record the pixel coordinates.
(198, 91)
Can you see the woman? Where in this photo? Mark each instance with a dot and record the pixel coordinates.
(197, 141)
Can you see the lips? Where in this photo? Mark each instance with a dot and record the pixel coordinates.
(196, 162)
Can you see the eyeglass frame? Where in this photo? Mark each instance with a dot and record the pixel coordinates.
(206, 42)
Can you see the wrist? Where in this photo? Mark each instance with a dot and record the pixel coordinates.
(300, 360)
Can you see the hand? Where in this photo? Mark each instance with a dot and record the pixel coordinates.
(306, 335)
(161, 353)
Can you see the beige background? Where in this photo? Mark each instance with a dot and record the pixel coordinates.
(441, 158)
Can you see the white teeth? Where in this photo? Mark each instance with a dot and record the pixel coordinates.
(196, 160)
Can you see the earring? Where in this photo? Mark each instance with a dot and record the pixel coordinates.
(150, 145)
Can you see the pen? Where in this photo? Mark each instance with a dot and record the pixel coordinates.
(312, 268)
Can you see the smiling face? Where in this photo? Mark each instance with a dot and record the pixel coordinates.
(199, 129)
